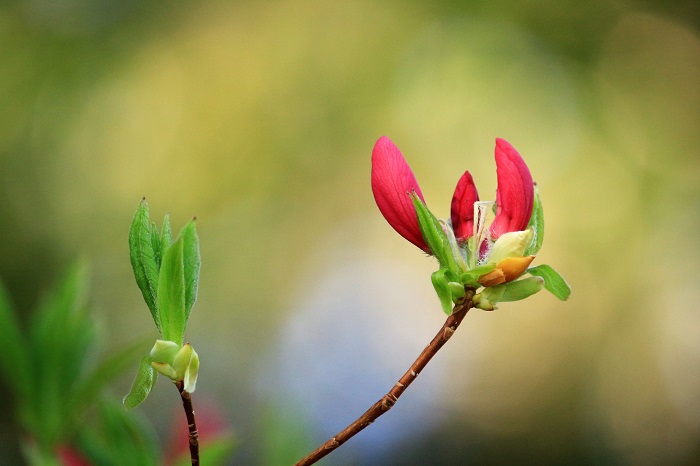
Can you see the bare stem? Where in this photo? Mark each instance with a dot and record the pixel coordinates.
(387, 401)
(191, 423)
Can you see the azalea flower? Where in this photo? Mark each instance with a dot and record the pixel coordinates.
(470, 255)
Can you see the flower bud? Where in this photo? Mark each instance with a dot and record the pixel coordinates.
(190, 380)
(182, 361)
(511, 244)
(164, 351)
(165, 369)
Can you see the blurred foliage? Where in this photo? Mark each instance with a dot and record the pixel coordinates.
(260, 117)
(46, 368)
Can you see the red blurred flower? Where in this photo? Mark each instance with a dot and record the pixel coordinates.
(67, 456)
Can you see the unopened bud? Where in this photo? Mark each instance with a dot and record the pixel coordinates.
(164, 351)
(511, 244)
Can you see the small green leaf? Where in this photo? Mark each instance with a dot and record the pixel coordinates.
(166, 233)
(521, 289)
(442, 289)
(537, 224)
(143, 259)
(471, 277)
(171, 293)
(192, 264)
(553, 282)
(143, 384)
(434, 235)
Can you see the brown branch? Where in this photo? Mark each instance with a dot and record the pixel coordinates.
(383, 405)
(191, 423)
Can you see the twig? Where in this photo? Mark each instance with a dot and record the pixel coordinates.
(383, 405)
(191, 423)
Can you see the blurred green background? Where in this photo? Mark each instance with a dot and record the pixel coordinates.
(259, 118)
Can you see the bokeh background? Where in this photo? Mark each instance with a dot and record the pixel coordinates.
(259, 118)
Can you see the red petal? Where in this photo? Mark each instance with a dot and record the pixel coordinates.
(462, 210)
(392, 183)
(515, 194)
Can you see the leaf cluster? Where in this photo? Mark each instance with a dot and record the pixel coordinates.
(167, 272)
(46, 366)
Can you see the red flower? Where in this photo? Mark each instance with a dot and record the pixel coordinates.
(515, 194)
(393, 182)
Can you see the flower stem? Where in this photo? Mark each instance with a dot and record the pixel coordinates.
(387, 401)
(191, 423)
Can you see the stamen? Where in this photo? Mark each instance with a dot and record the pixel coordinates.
(481, 213)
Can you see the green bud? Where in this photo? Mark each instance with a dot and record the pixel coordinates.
(190, 380)
(182, 361)
(489, 297)
(165, 369)
(164, 351)
(457, 290)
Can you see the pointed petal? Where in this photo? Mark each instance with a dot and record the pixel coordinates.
(462, 210)
(392, 183)
(515, 193)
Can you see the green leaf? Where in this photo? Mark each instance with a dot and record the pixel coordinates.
(537, 224)
(14, 356)
(553, 282)
(171, 293)
(166, 233)
(143, 259)
(434, 235)
(142, 385)
(88, 389)
(521, 289)
(118, 437)
(60, 336)
(442, 288)
(192, 264)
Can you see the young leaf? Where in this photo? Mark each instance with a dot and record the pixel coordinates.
(553, 282)
(434, 236)
(166, 233)
(143, 259)
(143, 384)
(521, 289)
(171, 293)
(442, 289)
(192, 263)
(537, 224)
